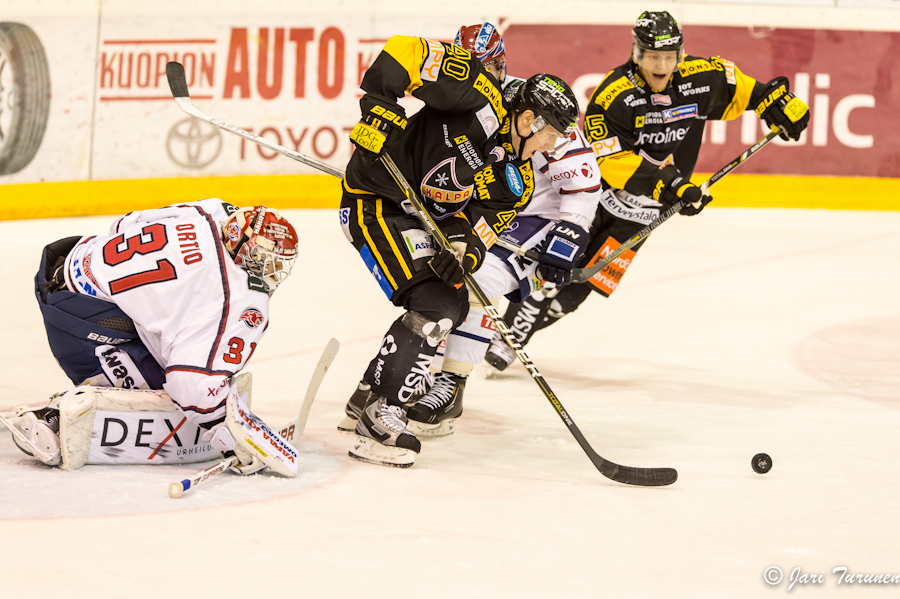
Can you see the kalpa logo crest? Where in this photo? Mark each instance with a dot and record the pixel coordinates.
(252, 317)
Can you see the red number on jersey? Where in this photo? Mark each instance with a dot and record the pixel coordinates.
(136, 245)
(113, 256)
(235, 348)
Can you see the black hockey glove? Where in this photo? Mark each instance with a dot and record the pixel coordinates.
(381, 118)
(672, 187)
(781, 108)
(468, 252)
(564, 245)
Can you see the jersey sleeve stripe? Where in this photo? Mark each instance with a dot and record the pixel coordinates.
(220, 251)
(586, 189)
(198, 370)
(200, 410)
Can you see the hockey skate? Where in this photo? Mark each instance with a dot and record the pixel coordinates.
(38, 433)
(383, 438)
(435, 413)
(499, 355)
(354, 408)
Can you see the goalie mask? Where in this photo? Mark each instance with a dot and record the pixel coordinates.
(262, 242)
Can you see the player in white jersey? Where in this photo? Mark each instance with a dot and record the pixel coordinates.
(174, 300)
(555, 221)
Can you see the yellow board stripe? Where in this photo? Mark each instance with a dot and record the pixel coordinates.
(390, 238)
(87, 198)
(372, 247)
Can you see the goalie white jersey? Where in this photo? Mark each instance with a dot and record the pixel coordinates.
(197, 312)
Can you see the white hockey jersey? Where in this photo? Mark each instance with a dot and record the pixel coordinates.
(197, 312)
(570, 185)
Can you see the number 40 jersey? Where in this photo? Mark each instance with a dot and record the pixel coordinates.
(197, 312)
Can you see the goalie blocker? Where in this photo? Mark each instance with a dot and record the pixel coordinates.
(103, 425)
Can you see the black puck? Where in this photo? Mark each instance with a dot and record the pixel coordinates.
(761, 463)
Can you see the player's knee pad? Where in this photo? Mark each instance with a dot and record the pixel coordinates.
(436, 300)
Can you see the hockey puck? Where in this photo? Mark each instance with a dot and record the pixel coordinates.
(761, 463)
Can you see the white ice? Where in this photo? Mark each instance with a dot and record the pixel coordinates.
(734, 332)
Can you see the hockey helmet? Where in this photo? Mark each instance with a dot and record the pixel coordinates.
(484, 41)
(657, 31)
(552, 101)
(262, 242)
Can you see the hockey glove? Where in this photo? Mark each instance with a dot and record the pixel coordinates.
(779, 107)
(467, 249)
(222, 439)
(672, 187)
(381, 118)
(564, 245)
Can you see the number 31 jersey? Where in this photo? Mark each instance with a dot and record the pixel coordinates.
(198, 313)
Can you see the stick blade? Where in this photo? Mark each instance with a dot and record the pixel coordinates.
(641, 477)
(177, 80)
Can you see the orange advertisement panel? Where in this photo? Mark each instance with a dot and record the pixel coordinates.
(609, 278)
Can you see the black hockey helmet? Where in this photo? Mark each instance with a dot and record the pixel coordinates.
(657, 31)
(552, 101)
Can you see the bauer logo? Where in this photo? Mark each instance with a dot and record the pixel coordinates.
(252, 318)
(418, 243)
(514, 180)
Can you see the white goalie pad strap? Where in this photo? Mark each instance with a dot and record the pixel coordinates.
(76, 421)
(253, 435)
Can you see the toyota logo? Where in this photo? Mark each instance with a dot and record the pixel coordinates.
(193, 143)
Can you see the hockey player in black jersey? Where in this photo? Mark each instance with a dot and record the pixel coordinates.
(645, 122)
(467, 154)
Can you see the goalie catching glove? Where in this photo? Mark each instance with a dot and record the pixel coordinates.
(778, 107)
(672, 187)
(465, 257)
(381, 118)
(565, 244)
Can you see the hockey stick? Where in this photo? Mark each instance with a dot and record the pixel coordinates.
(581, 275)
(645, 477)
(178, 85)
(289, 432)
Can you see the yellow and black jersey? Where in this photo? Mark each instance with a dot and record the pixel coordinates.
(635, 130)
(456, 151)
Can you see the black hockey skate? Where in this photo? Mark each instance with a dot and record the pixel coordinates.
(435, 413)
(354, 408)
(383, 438)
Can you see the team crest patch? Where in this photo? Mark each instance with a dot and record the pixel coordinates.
(499, 152)
(661, 100)
(671, 115)
(234, 232)
(514, 180)
(441, 185)
(252, 317)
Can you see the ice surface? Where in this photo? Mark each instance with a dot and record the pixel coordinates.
(733, 333)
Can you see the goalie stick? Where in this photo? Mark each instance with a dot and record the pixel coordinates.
(622, 474)
(645, 477)
(291, 431)
(581, 275)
